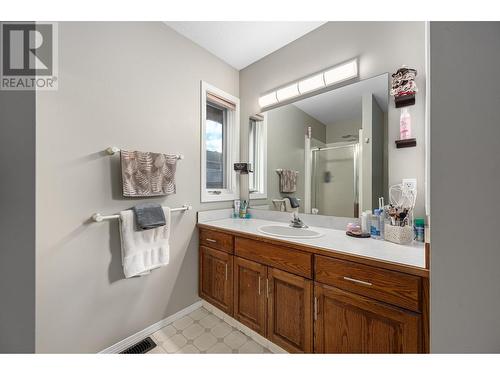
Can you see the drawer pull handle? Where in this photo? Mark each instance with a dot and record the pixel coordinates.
(226, 271)
(358, 281)
(259, 285)
(210, 240)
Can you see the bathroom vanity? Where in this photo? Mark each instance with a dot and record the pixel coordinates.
(331, 294)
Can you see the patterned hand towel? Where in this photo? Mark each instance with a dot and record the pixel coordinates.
(288, 180)
(143, 250)
(147, 174)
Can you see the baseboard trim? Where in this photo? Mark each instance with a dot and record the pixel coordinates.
(148, 331)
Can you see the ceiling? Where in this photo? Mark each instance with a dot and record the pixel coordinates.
(344, 104)
(242, 43)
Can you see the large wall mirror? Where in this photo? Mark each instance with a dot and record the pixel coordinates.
(328, 152)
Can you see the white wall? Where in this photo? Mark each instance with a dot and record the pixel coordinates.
(382, 47)
(465, 170)
(135, 86)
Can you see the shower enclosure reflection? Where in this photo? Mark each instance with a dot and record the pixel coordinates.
(334, 190)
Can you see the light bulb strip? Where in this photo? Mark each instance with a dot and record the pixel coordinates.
(293, 90)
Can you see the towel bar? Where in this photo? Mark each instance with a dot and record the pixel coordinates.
(99, 217)
(113, 150)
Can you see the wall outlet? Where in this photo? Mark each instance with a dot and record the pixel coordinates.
(409, 184)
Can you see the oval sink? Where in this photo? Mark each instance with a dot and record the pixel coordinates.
(288, 232)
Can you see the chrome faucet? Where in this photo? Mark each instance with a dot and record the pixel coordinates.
(296, 222)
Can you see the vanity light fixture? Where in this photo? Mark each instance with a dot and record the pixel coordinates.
(311, 83)
(337, 74)
(341, 73)
(268, 99)
(288, 92)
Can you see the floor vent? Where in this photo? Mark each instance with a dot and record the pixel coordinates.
(141, 347)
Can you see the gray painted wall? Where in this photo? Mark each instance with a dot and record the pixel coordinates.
(382, 47)
(286, 128)
(17, 221)
(465, 170)
(334, 132)
(135, 86)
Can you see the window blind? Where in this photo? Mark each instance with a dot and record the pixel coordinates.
(257, 117)
(212, 98)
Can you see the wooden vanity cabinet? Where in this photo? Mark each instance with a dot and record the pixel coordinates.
(216, 278)
(349, 323)
(289, 311)
(250, 294)
(307, 302)
(274, 303)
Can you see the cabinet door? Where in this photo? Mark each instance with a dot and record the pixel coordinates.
(250, 294)
(216, 278)
(289, 321)
(348, 323)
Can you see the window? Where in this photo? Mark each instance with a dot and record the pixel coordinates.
(219, 144)
(257, 156)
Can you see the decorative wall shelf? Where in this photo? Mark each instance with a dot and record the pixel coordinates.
(403, 143)
(404, 100)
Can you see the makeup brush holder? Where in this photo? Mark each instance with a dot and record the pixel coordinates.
(397, 234)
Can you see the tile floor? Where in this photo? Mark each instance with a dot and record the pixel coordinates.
(203, 332)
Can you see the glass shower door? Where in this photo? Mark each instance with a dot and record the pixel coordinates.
(334, 188)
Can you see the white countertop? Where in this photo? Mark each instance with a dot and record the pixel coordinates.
(335, 240)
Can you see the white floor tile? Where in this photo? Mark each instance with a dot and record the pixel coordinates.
(163, 334)
(209, 330)
(183, 323)
(209, 321)
(235, 339)
(189, 349)
(193, 331)
(205, 341)
(199, 314)
(174, 343)
(251, 347)
(222, 329)
(157, 350)
(219, 348)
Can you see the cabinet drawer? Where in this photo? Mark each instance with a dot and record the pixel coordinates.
(388, 286)
(293, 261)
(216, 240)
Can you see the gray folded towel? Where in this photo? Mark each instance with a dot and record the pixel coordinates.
(149, 216)
(288, 180)
(294, 202)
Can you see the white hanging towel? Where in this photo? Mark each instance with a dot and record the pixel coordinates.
(143, 250)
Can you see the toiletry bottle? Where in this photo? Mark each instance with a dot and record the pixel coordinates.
(375, 224)
(236, 211)
(405, 124)
(419, 228)
(243, 209)
(381, 223)
(366, 221)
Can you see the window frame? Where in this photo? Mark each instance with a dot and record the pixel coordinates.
(261, 167)
(232, 148)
